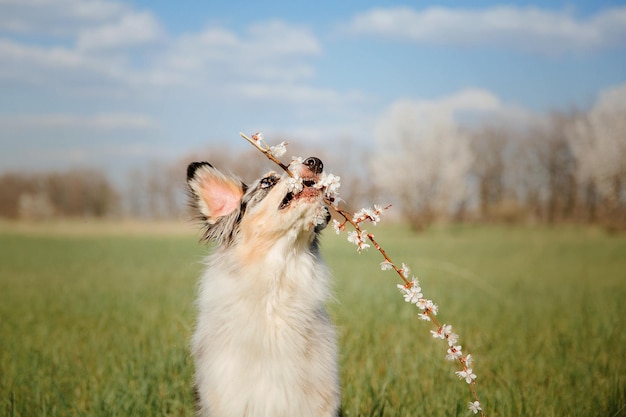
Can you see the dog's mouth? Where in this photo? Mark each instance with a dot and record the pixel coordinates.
(308, 190)
(309, 172)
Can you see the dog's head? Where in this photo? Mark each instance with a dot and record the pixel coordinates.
(260, 214)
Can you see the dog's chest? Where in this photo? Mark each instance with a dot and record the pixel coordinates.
(266, 307)
(260, 328)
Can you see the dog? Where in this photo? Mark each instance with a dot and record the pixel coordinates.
(263, 345)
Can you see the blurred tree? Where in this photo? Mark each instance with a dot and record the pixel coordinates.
(488, 146)
(12, 186)
(599, 143)
(74, 193)
(423, 160)
(551, 163)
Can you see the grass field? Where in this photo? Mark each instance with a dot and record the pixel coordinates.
(96, 322)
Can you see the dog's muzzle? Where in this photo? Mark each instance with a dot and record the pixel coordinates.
(309, 172)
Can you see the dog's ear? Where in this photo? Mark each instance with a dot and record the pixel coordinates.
(213, 194)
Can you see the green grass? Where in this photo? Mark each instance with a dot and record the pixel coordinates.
(98, 324)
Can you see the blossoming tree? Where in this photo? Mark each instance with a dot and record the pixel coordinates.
(423, 159)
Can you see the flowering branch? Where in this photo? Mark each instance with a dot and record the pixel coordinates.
(410, 288)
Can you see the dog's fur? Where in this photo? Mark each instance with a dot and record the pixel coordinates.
(263, 344)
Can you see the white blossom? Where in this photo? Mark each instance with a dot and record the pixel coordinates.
(386, 265)
(412, 293)
(437, 334)
(374, 217)
(405, 270)
(432, 307)
(474, 407)
(367, 214)
(443, 332)
(424, 316)
(294, 184)
(337, 226)
(320, 216)
(358, 239)
(427, 305)
(353, 237)
(453, 338)
(454, 352)
(330, 183)
(467, 374)
(279, 150)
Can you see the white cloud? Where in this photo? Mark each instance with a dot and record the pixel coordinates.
(86, 46)
(70, 72)
(270, 51)
(444, 110)
(103, 121)
(23, 56)
(133, 29)
(529, 29)
(91, 24)
(295, 94)
(104, 51)
(469, 106)
(112, 57)
(57, 17)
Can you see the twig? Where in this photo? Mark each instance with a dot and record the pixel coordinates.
(410, 288)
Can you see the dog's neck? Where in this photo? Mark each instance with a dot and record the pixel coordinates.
(289, 272)
(262, 246)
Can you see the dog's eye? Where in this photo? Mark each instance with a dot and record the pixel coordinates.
(268, 182)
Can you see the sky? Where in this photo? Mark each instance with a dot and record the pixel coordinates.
(116, 84)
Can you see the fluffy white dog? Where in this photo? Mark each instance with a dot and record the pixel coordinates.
(263, 345)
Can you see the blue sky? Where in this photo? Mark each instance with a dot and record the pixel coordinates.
(112, 84)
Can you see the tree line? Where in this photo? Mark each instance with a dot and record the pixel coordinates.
(74, 193)
(562, 167)
(565, 167)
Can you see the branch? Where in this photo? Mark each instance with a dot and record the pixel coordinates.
(410, 289)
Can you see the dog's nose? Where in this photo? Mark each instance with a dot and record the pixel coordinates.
(314, 164)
